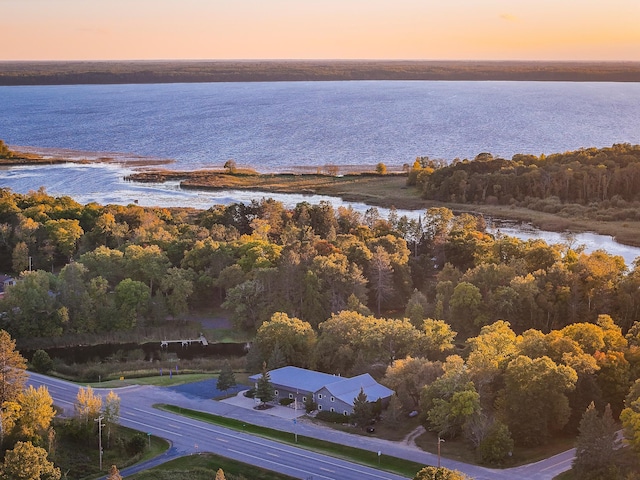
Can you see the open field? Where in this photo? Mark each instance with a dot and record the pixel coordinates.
(167, 71)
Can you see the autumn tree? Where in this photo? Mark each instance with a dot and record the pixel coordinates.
(36, 412)
(440, 473)
(407, 377)
(27, 462)
(111, 412)
(88, 405)
(114, 473)
(13, 376)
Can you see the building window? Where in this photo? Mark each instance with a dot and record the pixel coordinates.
(319, 396)
(319, 407)
(333, 399)
(276, 392)
(291, 395)
(332, 409)
(345, 413)
(304, 399)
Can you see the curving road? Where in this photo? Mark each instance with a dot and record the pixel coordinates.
(189, 436)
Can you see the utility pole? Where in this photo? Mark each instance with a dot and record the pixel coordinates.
(440, 440)
(100, 425)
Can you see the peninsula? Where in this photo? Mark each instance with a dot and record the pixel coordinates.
(193, 71)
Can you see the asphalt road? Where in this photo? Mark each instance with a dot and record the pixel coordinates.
(190, 437)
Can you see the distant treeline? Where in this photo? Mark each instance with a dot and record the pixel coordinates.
(114, 72)
(604, 177)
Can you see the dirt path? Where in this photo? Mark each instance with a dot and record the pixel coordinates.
(410, 439)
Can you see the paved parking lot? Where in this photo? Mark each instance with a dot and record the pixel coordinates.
(240, 400)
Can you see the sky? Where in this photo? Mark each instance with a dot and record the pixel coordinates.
(574, 30)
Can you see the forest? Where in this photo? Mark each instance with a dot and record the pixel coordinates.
(603, 183)
(490, 338)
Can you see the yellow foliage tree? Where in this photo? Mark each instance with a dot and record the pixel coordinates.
(36, 412)
(28, 462)
(87, 405)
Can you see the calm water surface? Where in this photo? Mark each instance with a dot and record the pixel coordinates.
(276, 126)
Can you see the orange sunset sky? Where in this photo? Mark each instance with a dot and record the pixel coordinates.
(320, 29)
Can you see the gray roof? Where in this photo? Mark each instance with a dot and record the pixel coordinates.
(348, 389)
(345, 389)
(294, 378)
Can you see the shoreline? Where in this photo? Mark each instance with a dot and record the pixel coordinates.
(365, 187)
(16, 73)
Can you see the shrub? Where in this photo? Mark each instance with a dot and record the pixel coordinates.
(137, 444)
(251, 393)
(286, 401)
(332, 417)
(41, 362)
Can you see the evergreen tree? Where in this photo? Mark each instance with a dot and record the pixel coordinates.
(362, 410)
(226, 379)
(596, 445)
(265, 391)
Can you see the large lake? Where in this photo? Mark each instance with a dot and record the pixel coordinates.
(279, 125)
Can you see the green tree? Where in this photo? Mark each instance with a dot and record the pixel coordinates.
(13, 375)
(32, 308)
(439, 473)
(534, 400)
(408, 376)
(146, 264)
(451, 400)
(20, 257)
(177, 286)
(27, 462)
(226, 379)
(497, 444)
(132, 301)
(596, 445)
(41, 362)
(438, 337)
(362, 410)
(264, 390)
(295, 338)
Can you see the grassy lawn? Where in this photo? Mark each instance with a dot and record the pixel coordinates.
(364, 457)
(458, 449)
(78, 456)
(204, 467)
(162, 381)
